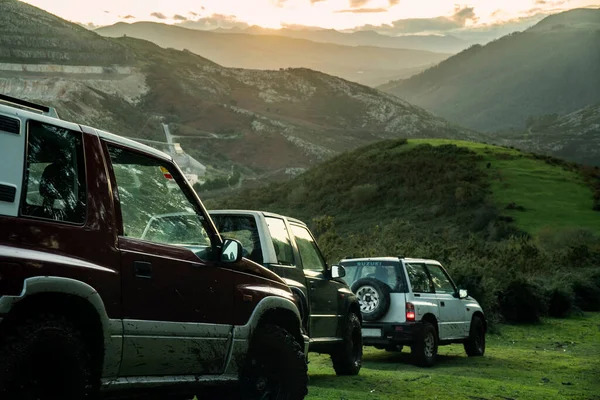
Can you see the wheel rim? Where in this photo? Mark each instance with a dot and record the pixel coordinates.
(368, 299)
(429, 347)
(266, 382)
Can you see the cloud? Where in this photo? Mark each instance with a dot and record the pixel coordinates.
(393, 2)
(358, 3)
(315, 1)
(363, 10)
(90, 25)
(278, 3)
(178, 17)
(127, 17)
(159, 15)
(215, 21)
(458, 20)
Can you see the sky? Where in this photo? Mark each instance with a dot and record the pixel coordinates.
(395, 17)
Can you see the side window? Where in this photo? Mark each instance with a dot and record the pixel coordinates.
(419, 280)
(54, 183)
(281, 241)
(242, 228)
(440, 280)
(309, 252)
(153, 205)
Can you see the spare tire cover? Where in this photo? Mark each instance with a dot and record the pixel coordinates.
(373, 296)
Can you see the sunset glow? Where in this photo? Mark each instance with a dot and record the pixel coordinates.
(336, 14)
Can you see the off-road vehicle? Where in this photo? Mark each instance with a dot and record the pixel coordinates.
(414, 302)
(91, 302)
(330, 311)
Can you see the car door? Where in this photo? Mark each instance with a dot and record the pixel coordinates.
(177, 302)
(422, 293)
(323, 292)
(452, 311)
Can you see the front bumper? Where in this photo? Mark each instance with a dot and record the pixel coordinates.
(306, 344)
(390, 333)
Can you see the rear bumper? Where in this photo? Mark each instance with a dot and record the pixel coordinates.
(391, 333)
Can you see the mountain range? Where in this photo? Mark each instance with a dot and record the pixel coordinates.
(266, 123)
(552, 67)
(434, 43)
(370, 65)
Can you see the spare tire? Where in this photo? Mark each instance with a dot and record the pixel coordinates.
(373, 296)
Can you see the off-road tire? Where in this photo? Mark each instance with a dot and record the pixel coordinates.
(275, 368)
(374, 298)
(424, 350)
(45, 357)
(475, 344)
(347, 357)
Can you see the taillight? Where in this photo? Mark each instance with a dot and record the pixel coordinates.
(410, 312)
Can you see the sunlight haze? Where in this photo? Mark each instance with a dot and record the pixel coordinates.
(403, 17)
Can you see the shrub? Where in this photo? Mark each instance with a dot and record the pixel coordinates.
(560, 301)
(523, 300)
(586, 290)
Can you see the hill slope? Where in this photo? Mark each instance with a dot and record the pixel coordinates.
(365, 64)
(575, 136)
(549, 68)
(265, 122)
(460, 203)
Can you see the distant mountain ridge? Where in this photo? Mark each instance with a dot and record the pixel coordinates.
(434, 43)
(552, 67)
(367, 64)
(268, 124)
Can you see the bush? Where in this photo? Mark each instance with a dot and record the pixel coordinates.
(586, 290)
(560, 301)
(523, 300)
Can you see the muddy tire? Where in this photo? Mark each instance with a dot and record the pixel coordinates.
(475, 344)
(373, 296)
(275, 368)
(347, 358)
(43, 358)
(424, 350)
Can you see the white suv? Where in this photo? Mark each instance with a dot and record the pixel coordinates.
(408, 301)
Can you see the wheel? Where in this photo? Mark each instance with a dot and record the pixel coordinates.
(373, 296)
(45, 357)
(424, 350)
(475, 344)
(275, 368)
(347, 358)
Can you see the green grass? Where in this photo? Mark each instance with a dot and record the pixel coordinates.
(551, 196)
(557, 359)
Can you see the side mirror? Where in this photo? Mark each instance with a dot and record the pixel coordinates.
(462, 293)
(232, 251)
(337, 271)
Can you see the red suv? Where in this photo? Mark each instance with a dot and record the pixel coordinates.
(91, 302)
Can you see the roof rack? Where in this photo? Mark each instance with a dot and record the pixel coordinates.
(49, 111)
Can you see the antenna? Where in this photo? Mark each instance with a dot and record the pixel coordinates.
(49, 111)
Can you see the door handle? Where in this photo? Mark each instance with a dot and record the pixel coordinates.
(442, 304)
(142, 269)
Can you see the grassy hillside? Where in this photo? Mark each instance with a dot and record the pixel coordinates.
(549, 68)
(363, 64)
(554, 360)
(506, 223)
